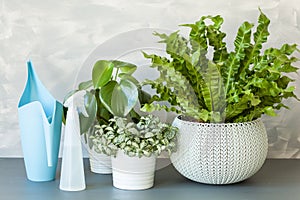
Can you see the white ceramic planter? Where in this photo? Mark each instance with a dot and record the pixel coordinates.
(220, 153)
(133, 173)
(100, 163)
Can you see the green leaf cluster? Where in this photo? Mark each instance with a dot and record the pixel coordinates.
(118, 93)
(112, 91)
(147, 137)
(235, 86)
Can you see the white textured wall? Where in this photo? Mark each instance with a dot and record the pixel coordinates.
(59, 35)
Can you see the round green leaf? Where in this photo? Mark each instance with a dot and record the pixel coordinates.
(85, 85)
(125, 67)
(106, 95)
(119, 98)
(125, 76)
(125, 97)
(102, 73)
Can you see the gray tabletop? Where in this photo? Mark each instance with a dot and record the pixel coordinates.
(278, 179)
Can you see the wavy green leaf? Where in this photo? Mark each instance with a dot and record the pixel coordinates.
(260, 37)
(241, 43)
(214, 94)
(176, 45)
(173, 87)
(215, 37)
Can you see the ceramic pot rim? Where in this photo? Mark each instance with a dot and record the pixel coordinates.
(208, 124)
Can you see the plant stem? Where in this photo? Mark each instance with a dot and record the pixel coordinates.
(98, 103)
(117, 72)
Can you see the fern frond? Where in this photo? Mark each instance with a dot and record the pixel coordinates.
(232, 65)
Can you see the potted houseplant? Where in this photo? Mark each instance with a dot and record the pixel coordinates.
(107, 76)
(132, 140)
(220, 100)
(134, 148)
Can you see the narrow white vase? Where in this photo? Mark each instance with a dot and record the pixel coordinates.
(133, 173)
(72, 170)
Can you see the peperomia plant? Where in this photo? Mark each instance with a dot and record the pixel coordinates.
(147, 137)
(235, 86)
(113, 91)
(118, 91)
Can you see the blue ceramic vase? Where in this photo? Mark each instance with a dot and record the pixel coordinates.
(40, 119)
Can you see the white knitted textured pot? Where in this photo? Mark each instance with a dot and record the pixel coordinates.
(100, 163)
(220, 153)
(133, 173)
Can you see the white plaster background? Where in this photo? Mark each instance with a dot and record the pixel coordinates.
(59, 35)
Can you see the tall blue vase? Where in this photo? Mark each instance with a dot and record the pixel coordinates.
(40, 119)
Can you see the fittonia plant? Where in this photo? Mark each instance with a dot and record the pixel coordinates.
(147, 137)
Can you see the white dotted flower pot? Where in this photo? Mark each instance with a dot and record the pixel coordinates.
(100, 163)
(220, 153)
(133, 173)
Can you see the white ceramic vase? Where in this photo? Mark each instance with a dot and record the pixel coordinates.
(220, 153)
(133, 173)
(100, 163)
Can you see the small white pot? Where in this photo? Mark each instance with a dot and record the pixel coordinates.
(133, 173)
(100, 163)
